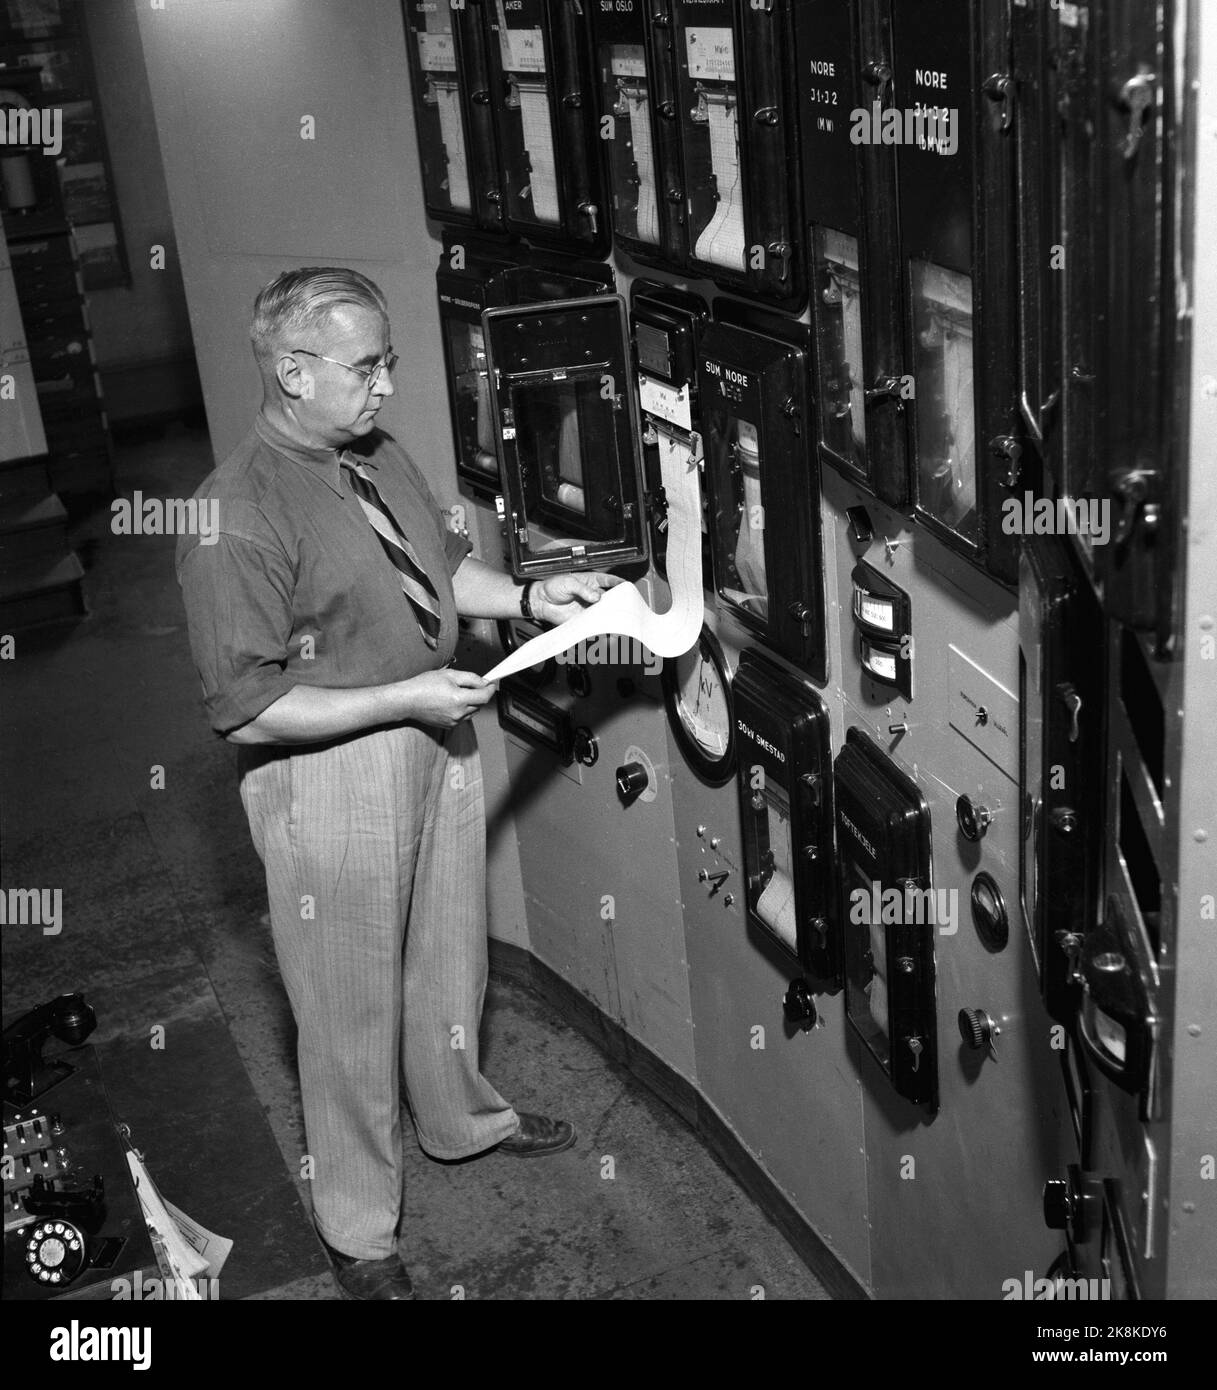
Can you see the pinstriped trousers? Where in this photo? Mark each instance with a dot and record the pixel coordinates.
(375, 857)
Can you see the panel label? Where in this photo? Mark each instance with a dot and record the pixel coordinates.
(984, 712)
(666, 402)
(437, 52)
(629, 61)
(523, 50)
(711, 54)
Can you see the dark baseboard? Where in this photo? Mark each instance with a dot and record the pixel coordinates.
(516, 964)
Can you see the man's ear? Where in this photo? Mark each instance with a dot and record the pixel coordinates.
(294, 380)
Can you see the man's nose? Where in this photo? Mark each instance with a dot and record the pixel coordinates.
(384, 387)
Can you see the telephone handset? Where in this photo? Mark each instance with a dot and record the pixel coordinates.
(26, 1073)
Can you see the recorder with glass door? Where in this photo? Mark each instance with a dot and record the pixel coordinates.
(473, 275)
(739, 145)
(764, 486)
(786, 808)
(545, 109)
(565, 423)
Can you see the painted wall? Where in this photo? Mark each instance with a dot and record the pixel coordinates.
(146, 323)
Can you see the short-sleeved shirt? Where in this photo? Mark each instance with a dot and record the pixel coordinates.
(296, 588)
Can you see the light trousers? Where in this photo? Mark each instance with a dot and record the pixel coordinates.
(375, 855)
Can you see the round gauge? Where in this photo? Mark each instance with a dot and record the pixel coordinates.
(513, 633)
(697, 693)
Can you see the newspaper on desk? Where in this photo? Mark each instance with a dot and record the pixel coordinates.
(185, 1251)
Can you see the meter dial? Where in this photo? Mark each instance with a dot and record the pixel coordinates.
(513, 633)
(697, 693)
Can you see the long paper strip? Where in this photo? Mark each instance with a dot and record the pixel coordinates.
(638, 103)
(623, 611)
(539, 142)
(448, 98)
(722, 239)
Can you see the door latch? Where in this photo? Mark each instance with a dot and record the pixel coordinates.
(1073, 703)
(1132, 488)
(886, 388)
(999, 87)
(1005, 446)
(1137, 96)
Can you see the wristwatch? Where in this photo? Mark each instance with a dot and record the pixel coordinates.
(525, 605)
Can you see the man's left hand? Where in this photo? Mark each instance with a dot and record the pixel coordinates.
(564, 595)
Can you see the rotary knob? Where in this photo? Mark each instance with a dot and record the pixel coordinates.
(1058, 1204)
(799, 1006)
(631, 780)
(976, 1028)
(1074, 1204)
(973, 819)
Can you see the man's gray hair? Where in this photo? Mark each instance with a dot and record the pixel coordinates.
(296, 304)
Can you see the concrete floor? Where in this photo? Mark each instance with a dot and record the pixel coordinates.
(164, 924)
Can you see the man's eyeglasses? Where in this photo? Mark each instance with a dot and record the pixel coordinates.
(371, 375)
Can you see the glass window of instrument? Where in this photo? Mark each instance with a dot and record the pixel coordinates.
(946, 419)
(771, 879)
(837, 294)
(742, 578)
(867, 981)
(471, 398)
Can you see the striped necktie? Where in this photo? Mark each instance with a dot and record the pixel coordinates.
(417, 587)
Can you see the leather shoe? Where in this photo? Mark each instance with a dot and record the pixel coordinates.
(537, 1136)
(370, 1280)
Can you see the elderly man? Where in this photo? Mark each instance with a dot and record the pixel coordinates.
(323, 622)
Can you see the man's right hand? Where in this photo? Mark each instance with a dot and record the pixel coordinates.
(444, 698)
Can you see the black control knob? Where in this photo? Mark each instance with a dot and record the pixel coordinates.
(975, 1028)
(1075, 1204)
(631, 780)
(1058, 1204)
(799, 1006)
(76, 1018)
(586, 747)
(973, 819)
